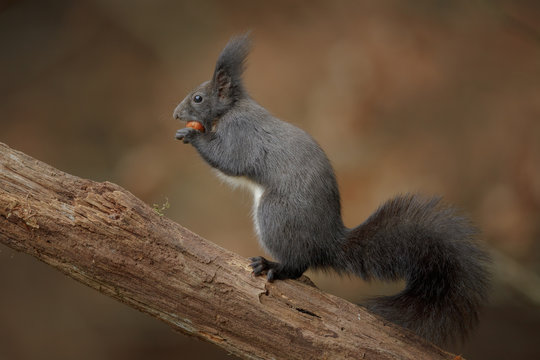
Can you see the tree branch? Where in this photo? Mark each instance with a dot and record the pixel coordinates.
(103, 236)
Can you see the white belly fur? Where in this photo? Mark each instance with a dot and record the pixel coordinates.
(256, 189)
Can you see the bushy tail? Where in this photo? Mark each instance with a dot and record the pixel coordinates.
(433, 249)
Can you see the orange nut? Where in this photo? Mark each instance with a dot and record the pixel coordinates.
(195, 125)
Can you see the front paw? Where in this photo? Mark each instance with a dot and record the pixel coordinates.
(186, 134)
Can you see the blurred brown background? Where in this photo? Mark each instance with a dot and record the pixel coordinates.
(430, 96)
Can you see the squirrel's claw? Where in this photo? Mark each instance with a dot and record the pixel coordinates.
(260, 265)
(186, 134)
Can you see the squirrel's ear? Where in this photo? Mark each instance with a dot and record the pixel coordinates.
(227, 79)
(222, 83)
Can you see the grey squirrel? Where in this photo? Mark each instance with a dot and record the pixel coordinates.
(297, 211)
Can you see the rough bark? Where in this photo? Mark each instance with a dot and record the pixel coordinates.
(103, 236)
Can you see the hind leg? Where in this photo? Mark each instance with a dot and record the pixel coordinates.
(274, 270)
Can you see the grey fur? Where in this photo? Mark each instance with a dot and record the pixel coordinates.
(298, 214)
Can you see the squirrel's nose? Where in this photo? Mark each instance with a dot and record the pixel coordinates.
(178, 111)
(176, 114)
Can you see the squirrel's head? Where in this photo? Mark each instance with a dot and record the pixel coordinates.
(213, 98)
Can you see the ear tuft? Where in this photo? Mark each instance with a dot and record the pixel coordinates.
(227, 80)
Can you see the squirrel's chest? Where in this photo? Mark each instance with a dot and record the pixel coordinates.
(256, 189)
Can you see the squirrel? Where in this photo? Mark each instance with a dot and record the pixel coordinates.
(297, 211)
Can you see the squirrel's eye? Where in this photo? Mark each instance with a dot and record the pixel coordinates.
(197, 98)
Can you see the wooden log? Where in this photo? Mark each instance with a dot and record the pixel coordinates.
(105, 237)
